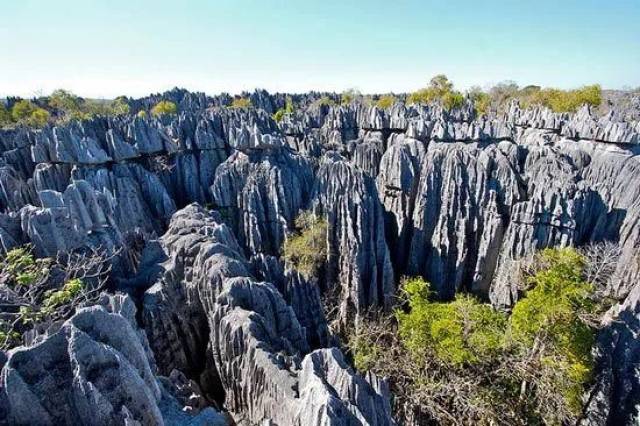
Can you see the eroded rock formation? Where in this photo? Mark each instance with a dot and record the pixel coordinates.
(411, 190)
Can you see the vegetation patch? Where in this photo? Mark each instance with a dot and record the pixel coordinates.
(306, 249)
(241, 103)
(440, 90)
(164, 108)
(463, 362)
(40, 292)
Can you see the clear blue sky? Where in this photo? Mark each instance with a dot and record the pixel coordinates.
(106, 48)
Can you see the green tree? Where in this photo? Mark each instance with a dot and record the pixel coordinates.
(458, 332)
(22, 110)
(349, 96)
(5, 115)
(119, 106)
(547, 325)
(464, 360)
(65, 101)
(386, 101)
(481, 100)
(241, 103)
(440, 89)
(452, 100)
(288, 109)
(38, 118)
(325, 100)
(164, 107)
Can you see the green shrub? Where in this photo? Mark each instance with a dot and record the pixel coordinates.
(458, 332)
(288, 109)
(306, 249)
(386, 101)
(38, 118)
(22, 110)
(69, 291)
(65, 101)
(481, 100)
(241, 103)
(550, 316)
(279, 115)
(440, 89)
(566, 100)
(21, 266)
(452, 100)
(163, 108)
(556, 99)
(119, 106)
(463, 359)
(5, 115)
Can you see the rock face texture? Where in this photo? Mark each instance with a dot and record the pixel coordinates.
(95, 369)
(250, 338)
(410, 190)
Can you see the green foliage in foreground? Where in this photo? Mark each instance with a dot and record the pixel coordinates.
(20, 266)
(458, 332)
(164, 108)
(482, 366)
(306, 249)
(69, 291)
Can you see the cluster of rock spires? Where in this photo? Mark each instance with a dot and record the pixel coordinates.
(412, 190)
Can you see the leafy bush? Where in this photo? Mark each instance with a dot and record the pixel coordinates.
(22, 110)
(481, 100)
(65, 102)
(349, 96)
(38, 118)
(567, 100)
(241, 103)
(556, 99)
(386, 101)
(44, 291)
(458, 332)
(440, 89)
(5, 115)
(21, 266)
(463, 360)
(452, 100)
(164, 107)
(69, 291)
(306, 249)
(288, 109)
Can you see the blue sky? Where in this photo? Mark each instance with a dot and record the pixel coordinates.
(106, 48)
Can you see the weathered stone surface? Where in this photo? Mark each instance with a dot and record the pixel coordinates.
(96, 369)
(262, 193)
(358, 256)
(256, 340)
